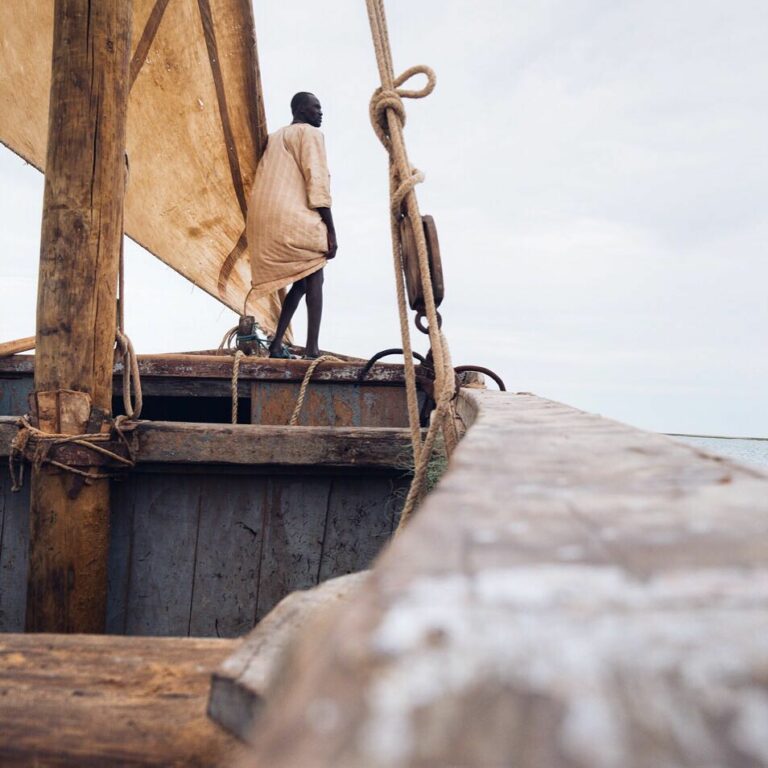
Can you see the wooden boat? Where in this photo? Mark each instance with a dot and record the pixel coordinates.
(217, 522)
(573, 592)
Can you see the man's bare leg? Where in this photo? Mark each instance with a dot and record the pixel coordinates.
(314, 289)
(290, 304)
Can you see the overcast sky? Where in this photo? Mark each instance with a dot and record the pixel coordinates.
(598, 172)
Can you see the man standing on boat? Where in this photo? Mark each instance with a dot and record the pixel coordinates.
(290, 228)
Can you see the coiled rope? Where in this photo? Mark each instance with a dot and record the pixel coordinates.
(387, 113)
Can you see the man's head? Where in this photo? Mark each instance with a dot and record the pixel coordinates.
(306, 108)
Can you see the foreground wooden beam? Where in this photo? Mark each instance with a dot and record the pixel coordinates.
(575, 592)
(80, 245)
(109, 702)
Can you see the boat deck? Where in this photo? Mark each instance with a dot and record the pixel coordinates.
(84, 700)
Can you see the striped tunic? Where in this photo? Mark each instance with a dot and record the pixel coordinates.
(287, 239)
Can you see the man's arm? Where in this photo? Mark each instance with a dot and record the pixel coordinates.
(325, 215)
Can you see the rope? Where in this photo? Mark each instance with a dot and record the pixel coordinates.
(229, 337)
(47, 440)
(294, 420)
(130, 361)
(387, 113)
(239, 355)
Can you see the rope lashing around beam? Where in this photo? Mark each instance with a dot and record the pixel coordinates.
(387, 113)
(44, 442)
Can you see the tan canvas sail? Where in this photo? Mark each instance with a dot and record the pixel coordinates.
(196, 128)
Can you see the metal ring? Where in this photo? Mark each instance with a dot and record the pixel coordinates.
(420, 317)
(384, 353)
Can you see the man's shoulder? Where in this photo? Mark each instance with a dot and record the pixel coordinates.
(302, 129)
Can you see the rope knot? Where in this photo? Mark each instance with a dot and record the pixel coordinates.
(392, 98)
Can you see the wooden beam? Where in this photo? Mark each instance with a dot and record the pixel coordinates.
(207, 366)
(110, 702)
(240, 686)
(169, 442)
(246, 444)
(80, 244)
(574, 592)
(8, 348)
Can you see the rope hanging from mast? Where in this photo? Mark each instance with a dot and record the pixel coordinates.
(387, 113)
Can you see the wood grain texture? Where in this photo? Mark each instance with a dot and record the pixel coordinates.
(80, 245)
(207, 553)
(228, 555)
(165, 538)
(14, 546)
(208, 366)
(240, 686)
(121, 539)
(14, 395)
(94, 701)
(361, 514)
(244, 444)
(574, 593)
(17, 345)
(293, 538)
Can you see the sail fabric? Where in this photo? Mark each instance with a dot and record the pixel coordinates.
(288, 239)
(195, 131)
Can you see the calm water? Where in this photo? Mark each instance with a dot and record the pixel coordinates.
(751, 452)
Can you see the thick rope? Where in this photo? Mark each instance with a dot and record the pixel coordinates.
(239, 355)
(387, 113)
(229, 337)
(294, 420)
(48, 440)
(130, 361)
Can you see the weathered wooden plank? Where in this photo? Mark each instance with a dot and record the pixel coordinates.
(109, 701)
(121, 532)
(14, 395)
(294, 528)
(14, 546)
(165, 538)
(574, 592)
(360, 516)
(329, 404)
(242, 444)
(228, 555)
(241, 684)
(256, 444)
(220, 367)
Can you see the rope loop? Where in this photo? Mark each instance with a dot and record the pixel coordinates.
(392, 98)
(402, 189)
(131, 376)
(418, 69)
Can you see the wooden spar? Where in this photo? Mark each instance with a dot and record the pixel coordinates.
(76, 312)
(8, 348)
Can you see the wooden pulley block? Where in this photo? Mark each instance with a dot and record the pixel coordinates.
(411, 263)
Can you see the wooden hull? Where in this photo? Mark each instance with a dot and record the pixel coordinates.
(218, 522)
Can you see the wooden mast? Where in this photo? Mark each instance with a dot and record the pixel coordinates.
(81, 234)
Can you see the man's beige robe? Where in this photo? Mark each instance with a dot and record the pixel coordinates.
(287, 238)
